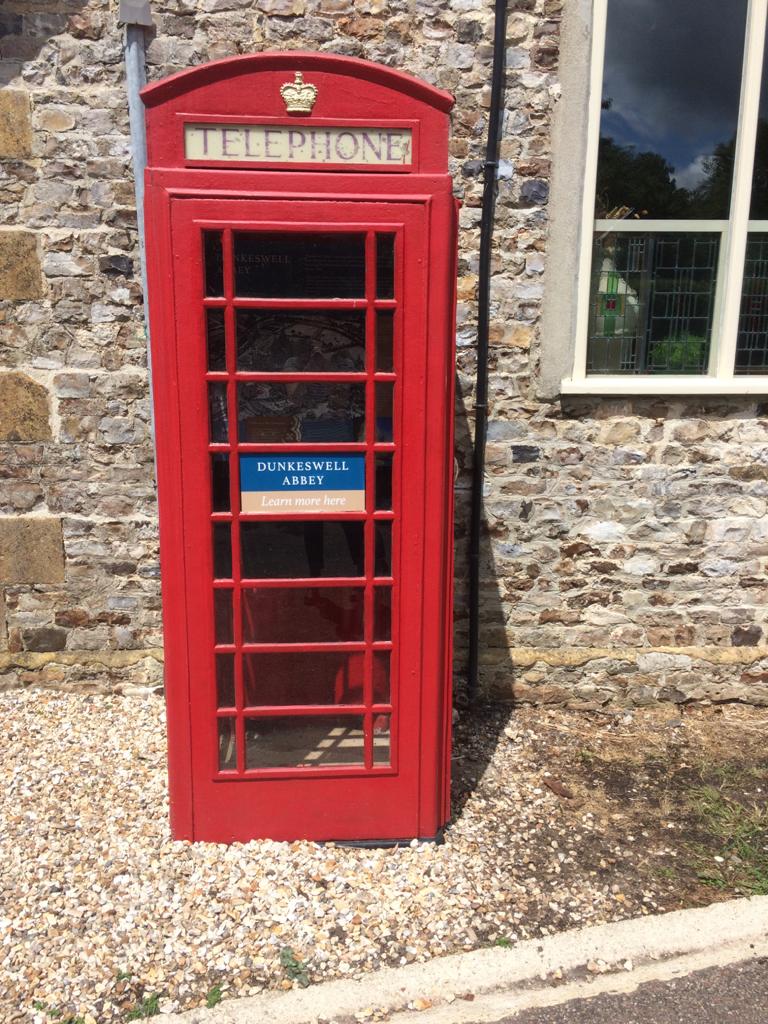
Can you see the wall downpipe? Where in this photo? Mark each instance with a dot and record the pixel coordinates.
(137, 17)
(495, 119)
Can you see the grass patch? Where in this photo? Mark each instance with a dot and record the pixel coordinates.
(214, 997)
(742, 833)
(295, 969)
(666, 872)
(148, 1007)
(58, 1015)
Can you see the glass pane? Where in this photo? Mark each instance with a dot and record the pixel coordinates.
(222, 611)
(385, 326)
(220, 482)
(227, 744)
(214, 264)
(225, 680)
(381, 687)
(289, 265)
(291, 341)
(652, 302)
(382, 613)
(295, 615)
(670, 103)
(759, 207)
(326, 678)
(384, 481)
(383, 549)
(222, 552)
(285, 550)
(271, 413)
(217, 407)
(752, 342)
(385, 266)
(217, 360)
(304, 742)
(381, 740)
(384, 404)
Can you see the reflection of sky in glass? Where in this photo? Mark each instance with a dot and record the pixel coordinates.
(673, 75)
(759, 205)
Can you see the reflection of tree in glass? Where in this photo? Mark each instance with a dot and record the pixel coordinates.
(714, 193)
(759, 209)
(644, 184)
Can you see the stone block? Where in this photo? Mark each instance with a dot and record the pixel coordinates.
(55, 119)
(20, 272)
(15, 124)
(283, 8)
(44, 638)
(31, 550)
(23, 409)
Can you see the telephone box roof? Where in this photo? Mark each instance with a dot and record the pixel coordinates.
(233, 67)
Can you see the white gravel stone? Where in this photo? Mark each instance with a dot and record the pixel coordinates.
(100, 909)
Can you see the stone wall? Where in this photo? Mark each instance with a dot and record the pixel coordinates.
(626, 543)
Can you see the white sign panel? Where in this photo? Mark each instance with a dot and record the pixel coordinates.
(277, 143)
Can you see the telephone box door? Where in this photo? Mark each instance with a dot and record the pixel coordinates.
(301, 359)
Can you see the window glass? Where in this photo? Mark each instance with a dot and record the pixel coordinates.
(286, 550)
(383, 558)
(319, 741)
(384, 481)
(382, 613)
(215, 335)
(227, 744)
(381, 685)
(220, 482)
(652, 302)
(381, 740)
(306, 341)
(759, 206)
(222, 611)
(385, 266)
(214, 263)
(670, 103)
(290, 265)
(222, 551)
(325, 677)
(273, 412)
(217, 409)
(384, 412)
(293, 615)
(225, 680)
(752, 343)
(385, 324)
(752, 340)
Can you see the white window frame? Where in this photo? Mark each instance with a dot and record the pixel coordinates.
(720, 378)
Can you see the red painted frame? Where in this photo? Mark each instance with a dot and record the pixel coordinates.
(410, 797)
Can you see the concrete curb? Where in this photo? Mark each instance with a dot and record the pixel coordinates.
(741, 925)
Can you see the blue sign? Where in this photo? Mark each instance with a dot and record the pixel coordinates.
(302, 483)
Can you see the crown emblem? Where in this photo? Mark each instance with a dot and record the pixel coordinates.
(299, 95)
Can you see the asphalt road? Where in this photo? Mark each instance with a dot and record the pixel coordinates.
(718, 995)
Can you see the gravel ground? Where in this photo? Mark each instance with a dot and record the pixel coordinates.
(102, 913)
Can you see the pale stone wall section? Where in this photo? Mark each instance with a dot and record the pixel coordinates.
(626, 548)
(15, 124)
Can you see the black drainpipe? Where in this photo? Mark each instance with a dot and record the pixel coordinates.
(483, 301)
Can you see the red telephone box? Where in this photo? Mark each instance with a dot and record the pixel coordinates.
(301, 240)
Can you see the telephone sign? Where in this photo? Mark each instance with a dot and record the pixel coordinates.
(301, 240)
